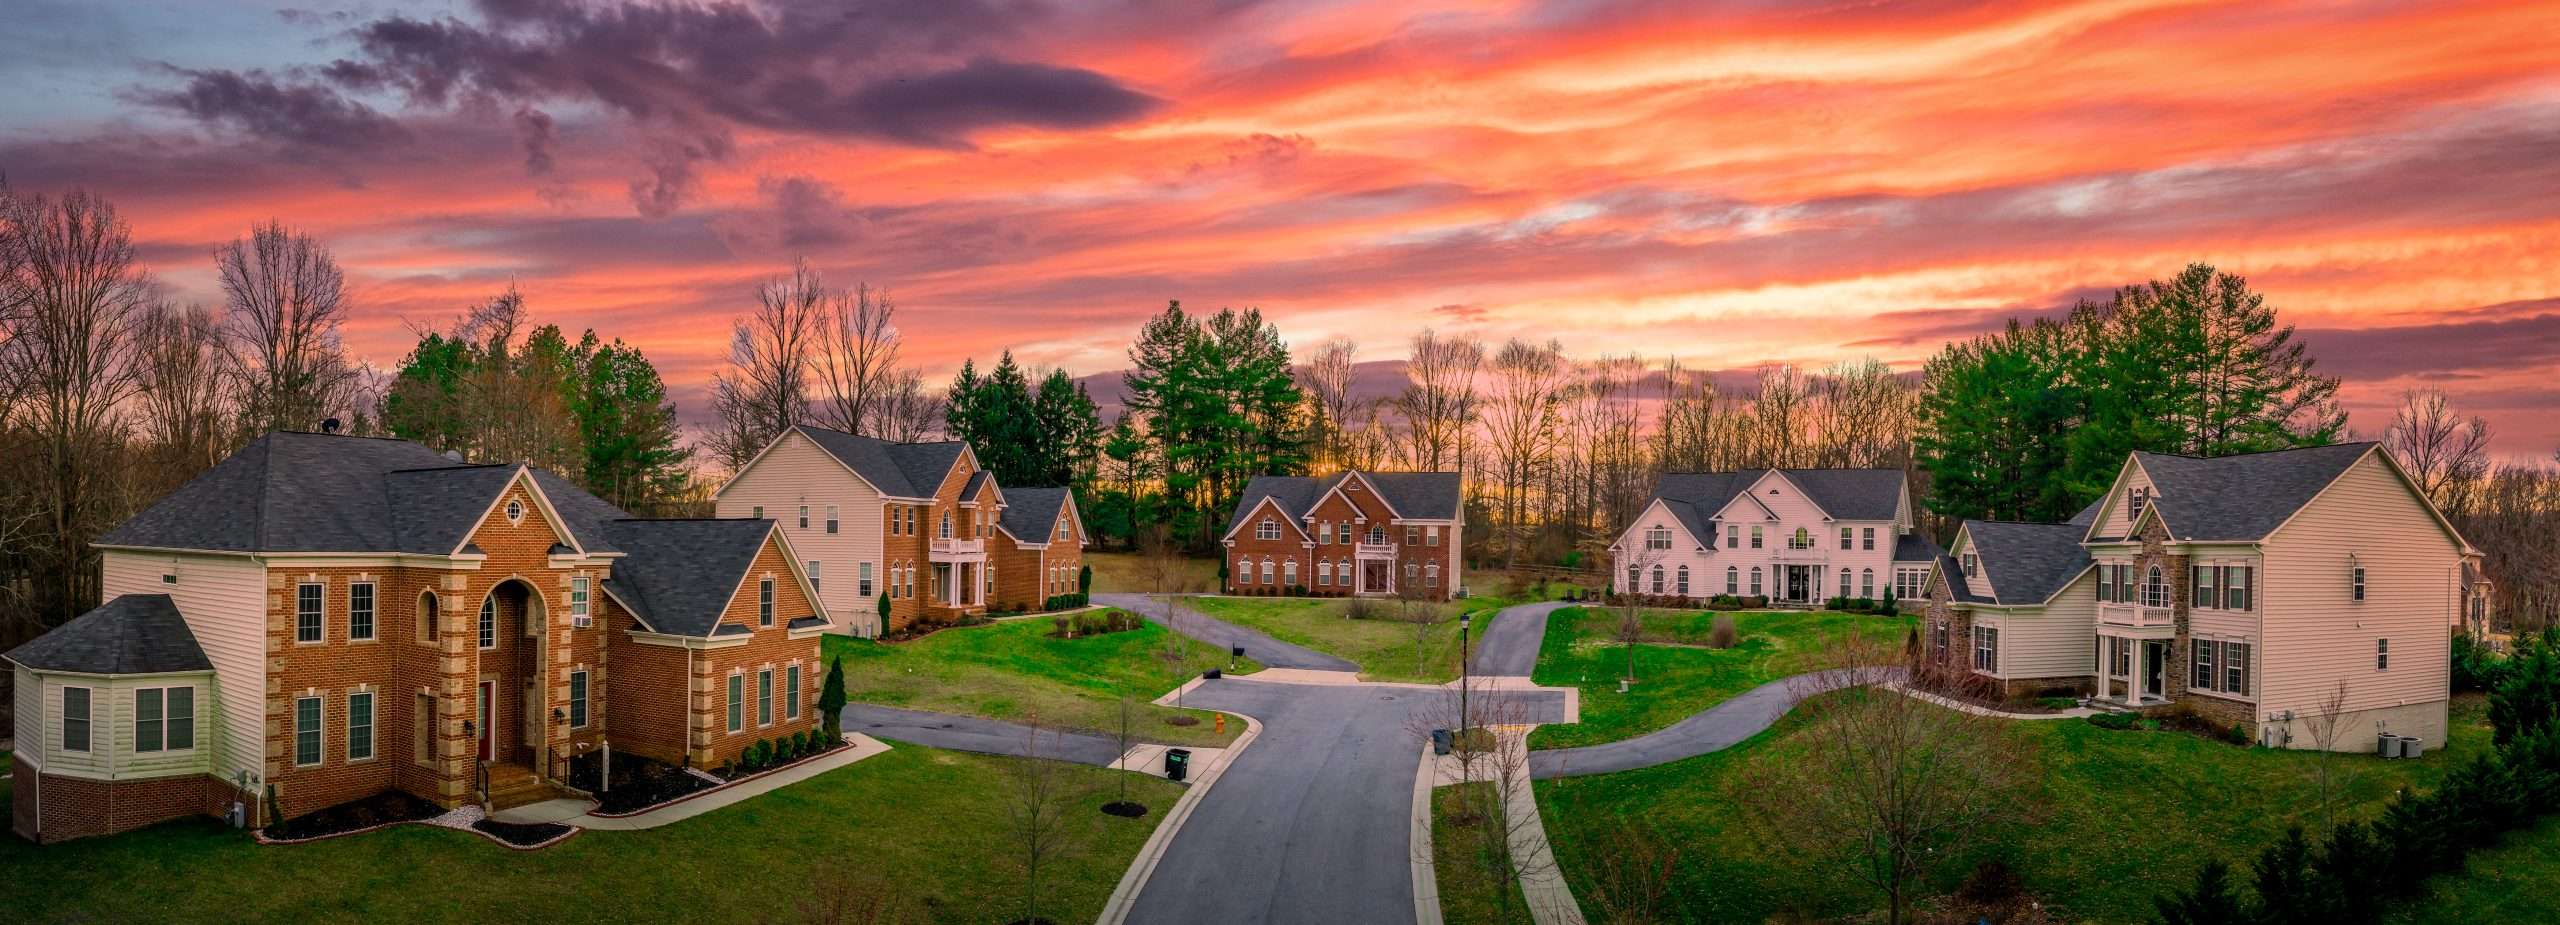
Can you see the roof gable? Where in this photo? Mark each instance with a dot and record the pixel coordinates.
(678, 576)
(2245, 497)
(2033, 560)
(911, 471)
(133, 634)
(1031, 514)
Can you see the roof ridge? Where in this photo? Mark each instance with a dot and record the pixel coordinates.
(314, 433)
(455, 467)
(2256, 453)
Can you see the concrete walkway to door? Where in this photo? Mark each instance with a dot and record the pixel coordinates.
(575, 811)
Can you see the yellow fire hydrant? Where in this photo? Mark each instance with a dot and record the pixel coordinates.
(1222, 724)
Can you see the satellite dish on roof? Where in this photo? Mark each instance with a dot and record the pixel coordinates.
(329, 426)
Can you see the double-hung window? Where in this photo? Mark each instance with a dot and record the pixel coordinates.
(1431, 536)
(1755, 538)
(831, 518)
(306, 731)
(1755, 580)
(2382, 655)
(1732, 580)
(306, 612)
(816, 567)
(1866, 582)
(2236, 583)
(804, 517)
(577, 700)
(1867, 539)
(1986, 648)
(862, 582)
(1732, 536)
(164, 718)
(737, 702)
(2235, 668)
(1844, 538)
(764, 601)
(2355, 584)
(489, 622)
(1657, 579)
(1267, 529)
(1657, 538)
(75, 719)
(764, 697)
(2106, 582)
(2155, 589)
(360, 726)
(1684, 578)
(580, 603)
(791, 692)
(2203, 660)
(1344, 528)
(360, 610)
(2208, 588)
(1844, 582)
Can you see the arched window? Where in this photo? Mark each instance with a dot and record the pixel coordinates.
(1683, 586)
(2155, 589)
(1431, 575)
(1866, 582)
(1755, 581)
(1732, 580)
(489, 621)
(1377, 536)
(1657, 579)
(1289, 572)
(1802, 540)
(946, 525)
(1266, 571)
(428, 626)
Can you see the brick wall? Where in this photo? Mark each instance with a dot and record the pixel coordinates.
(647, 699)
(913, 550)
(74, 807)
(770, 647)
(22, 797)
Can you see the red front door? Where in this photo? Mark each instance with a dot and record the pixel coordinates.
(488, 712)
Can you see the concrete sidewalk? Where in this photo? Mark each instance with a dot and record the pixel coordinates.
(575, 811)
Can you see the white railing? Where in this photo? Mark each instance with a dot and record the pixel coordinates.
(1375, 551)
(2135, 615)
(958, 547)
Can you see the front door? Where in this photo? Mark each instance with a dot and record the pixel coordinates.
(1798, 583)
(2155, 669)
(488, 712)
(1373, 577)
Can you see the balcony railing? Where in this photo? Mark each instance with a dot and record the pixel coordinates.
(2135, 615)
(958, 547)
(1375, 551)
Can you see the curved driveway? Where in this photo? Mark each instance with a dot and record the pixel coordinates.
(1313, 823)
(979, 734)
(1509, 648)
(1257, 646)
(1714, 729)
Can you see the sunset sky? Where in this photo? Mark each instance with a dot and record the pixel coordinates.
(1728, 183)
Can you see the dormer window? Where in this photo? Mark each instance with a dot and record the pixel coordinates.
(515, 511)
(2135, 501)
(1972, 566)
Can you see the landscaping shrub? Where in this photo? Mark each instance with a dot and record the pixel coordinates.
(1889, 605)
(1991, 883)
(2114, 720)
(884, 617)
(1060, 627)
(1360, 608)
(1063, 602)
(831, 700)
(382, 808)
(1084, 580)
(2528, 697)
(1755, 601)
(638, 782)
(2057, 703)
(1722, 634)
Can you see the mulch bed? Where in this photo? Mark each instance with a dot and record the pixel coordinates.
(638, 783)
(389, 807)
(524, 835)
(683, 791)
(1182, 720)
(1125, 809)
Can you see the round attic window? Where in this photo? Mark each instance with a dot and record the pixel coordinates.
(515, 512)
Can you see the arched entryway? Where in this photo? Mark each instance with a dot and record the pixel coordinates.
(508, 707)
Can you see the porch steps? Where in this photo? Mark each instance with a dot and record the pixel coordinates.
(513, 785)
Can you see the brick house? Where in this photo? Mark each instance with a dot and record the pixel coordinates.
(332, 617)
(1794, 536)
(1037, 551)
(1369, 533)
(2250, 588)
(911, 521)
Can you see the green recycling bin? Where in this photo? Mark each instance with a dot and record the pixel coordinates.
(1177, 763)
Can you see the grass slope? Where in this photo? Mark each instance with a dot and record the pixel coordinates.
(2516, 882)
(1470, 893)
(1013, 670)
(1385, 649)
(2122, 816)
(1680, 677)
(1131, 573)
(930, 823)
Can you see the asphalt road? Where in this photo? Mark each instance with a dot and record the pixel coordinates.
(1313, 822)
(1714, 729)
(1509, 648)
(1257, 646)
(975, 734)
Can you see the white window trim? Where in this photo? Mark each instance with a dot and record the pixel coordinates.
(88, 719)
(319, 730)
(581, 602)
(372, 725)
(372, 611)
(737, 716)
(764, 697)
(320, 615)
(791, 691)
(581, 693)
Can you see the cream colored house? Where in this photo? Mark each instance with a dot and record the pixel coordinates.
(1799, 536)
(2264, 590)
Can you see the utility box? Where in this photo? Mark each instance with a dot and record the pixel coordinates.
(1177, 763)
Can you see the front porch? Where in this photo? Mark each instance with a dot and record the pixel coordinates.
(2133, 666)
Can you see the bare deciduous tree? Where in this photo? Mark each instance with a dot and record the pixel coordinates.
(286, 298)
(1040, 813)
(840, 897)
(765, 390)
(71, 359)
(857, 359)
(1521, 421)
(1891, 783)
(1501, 837)
(907, 413)
(180, 400)
(1631, 869)
(1326, 377)
(1438, 403)
(2446, 453)
(2326, 725)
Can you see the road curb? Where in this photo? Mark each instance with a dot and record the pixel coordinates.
(1124, 897)
(1426, 869)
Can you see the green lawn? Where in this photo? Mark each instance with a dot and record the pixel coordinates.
(929, 824)
(1013, 670)
(1133, 573)
(1386, 649)
(1469, 893)
(2121, 816)
(1678, 675)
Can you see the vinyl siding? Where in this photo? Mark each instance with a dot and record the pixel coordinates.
(1794, 510)
(29, 715)
(797, 472)
(223, 599)
(100, 756)
(2114, 520)
(2051, 642)
(2316, 636)
(111, 754)
(1980, 583)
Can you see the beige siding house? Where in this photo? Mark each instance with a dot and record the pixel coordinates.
(2263, 590)
(833, 516)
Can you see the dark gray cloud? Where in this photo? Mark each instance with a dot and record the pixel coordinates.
(2507, 336)
(536, 128)
(297, 113)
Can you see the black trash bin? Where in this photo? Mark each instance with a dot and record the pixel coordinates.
(1211, 675)
(1177, 763)
(1440, 740)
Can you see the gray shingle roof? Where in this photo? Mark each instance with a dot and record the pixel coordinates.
(298, 492)
(905, 470)
(1846, 494)
(1031, 514)
(2242, 497)
(1415, 495)
(2027, 562)
(978, 482)
(1957, 587)
(1912, 547)
(677, 575)
(133, 634)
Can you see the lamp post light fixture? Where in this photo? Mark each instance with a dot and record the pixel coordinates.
(1464, 621)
